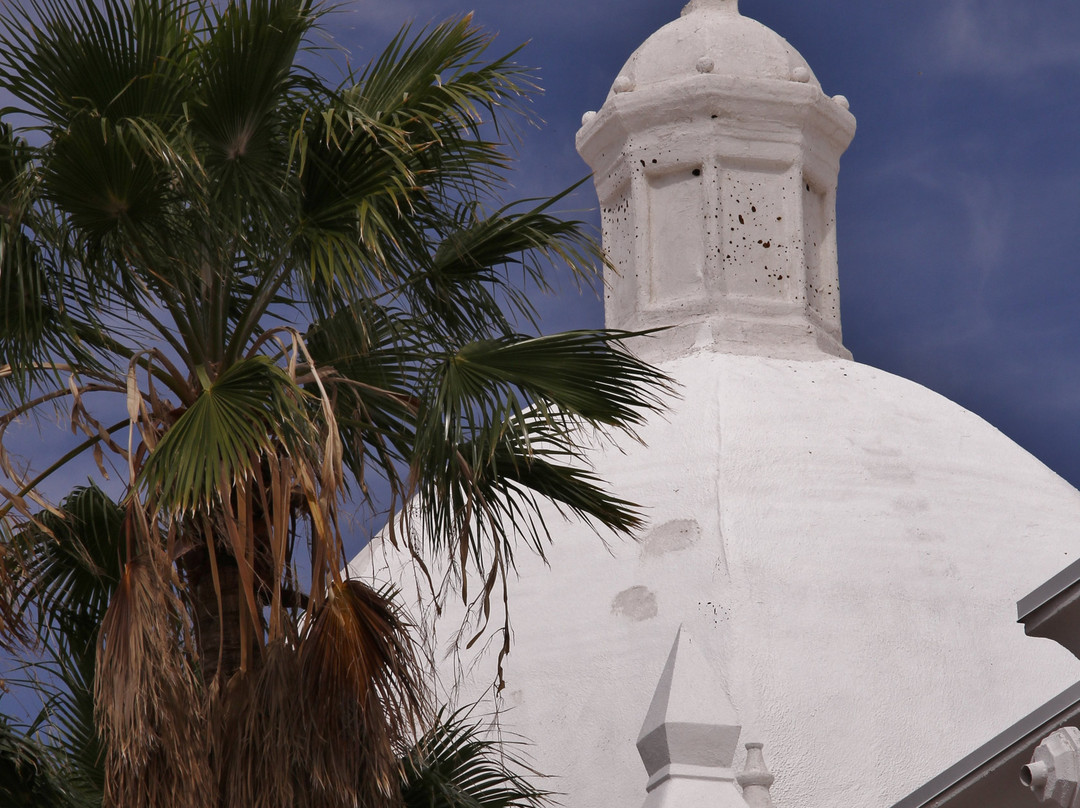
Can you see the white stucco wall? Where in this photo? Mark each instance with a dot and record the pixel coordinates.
(846, 546)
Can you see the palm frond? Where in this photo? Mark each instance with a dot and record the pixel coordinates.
(150, 716)
(248, 411)
(62, 58)
(72, 561)
(471, 287)
(250, 92)
(28, 773)
(583, 373)
(438, 81)
(359, 673)
(459, 764)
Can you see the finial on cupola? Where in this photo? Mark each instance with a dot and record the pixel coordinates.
(717, 5)
(690, 733)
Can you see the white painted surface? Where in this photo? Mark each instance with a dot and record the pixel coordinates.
(845, 546)
(687, 742)
(715, 158)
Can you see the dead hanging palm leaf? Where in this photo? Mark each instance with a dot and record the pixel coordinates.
(149, 707)
(259, 744)
(360, 682)
(324, 722)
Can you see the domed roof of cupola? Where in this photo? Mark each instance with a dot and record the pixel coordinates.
(712, 36)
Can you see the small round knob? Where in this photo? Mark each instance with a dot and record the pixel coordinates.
(623, 84)
(1053, 773)
(800, 74)
(705, 64)
(1034, 774)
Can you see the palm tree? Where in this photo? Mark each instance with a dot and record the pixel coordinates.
(255, 292)
(73, 561)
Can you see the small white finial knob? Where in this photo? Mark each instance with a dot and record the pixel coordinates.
(731, 6)
(755, 778)
(800, 74)
(1054, 771)
(588, 116)
(623, 84)
(841, 101)
(705, 64)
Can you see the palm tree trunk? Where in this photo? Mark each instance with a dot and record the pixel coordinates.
(218, 620)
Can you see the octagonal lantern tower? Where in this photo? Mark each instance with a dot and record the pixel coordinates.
(715, 159)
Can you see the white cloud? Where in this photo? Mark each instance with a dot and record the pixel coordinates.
(1006, 38)
(980, 203)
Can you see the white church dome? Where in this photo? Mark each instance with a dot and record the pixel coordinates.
(845, 546)
(712, 37)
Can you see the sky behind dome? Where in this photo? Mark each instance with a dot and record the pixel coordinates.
(958, 214)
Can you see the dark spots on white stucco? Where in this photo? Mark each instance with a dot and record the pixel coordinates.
(636, 603)
(672, 536)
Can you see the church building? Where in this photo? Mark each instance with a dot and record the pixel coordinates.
(833, 554)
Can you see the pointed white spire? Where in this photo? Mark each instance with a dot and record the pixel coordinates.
(688, 740)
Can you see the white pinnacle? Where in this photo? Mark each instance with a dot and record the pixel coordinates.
(688, 740)
(690, 719)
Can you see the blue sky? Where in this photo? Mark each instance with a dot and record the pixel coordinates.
(959, 222)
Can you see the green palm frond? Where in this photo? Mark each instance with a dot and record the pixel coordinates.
(375, 367)
(571, 379)
(73, 561)
(36, 325)
(438, 81)
(250, 94)
(103, 180)
(110, 57)
(470, 287)
(403, 140)
(458, 764)
(250, 410)
(508, 427)
(29, 775)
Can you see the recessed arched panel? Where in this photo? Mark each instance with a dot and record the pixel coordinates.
(822, 295)
(756, 235)
(676, 234)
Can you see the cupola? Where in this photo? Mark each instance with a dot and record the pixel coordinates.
(715, 158)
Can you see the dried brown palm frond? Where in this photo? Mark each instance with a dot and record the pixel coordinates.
(361, 681)
(324, 723)
(150, 708)
(259, 743)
